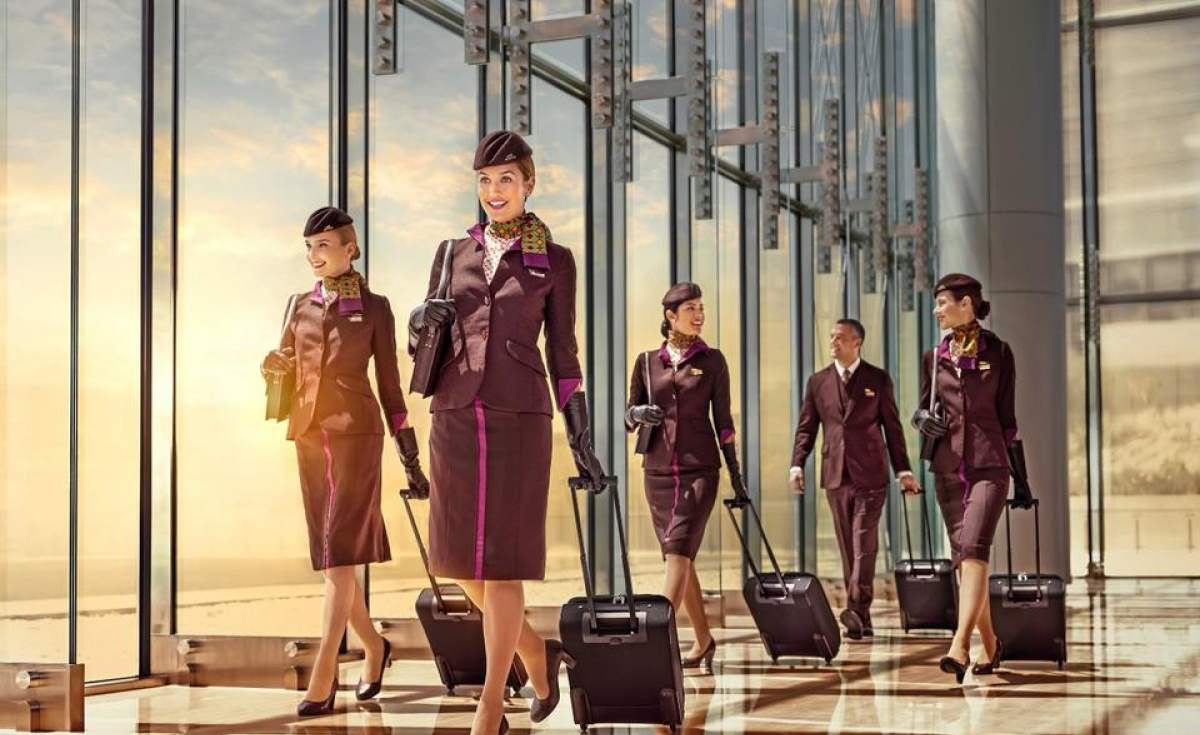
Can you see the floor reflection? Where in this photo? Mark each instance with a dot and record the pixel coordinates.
(1134, 668)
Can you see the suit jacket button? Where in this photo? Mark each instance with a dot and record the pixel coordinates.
(484, 333)
(487, 300)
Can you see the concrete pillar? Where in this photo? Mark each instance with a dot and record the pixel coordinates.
(999, 163)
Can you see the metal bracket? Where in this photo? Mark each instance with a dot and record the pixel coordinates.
(916, 228)
(522, 32)
(384, 58)
(764, 133)
(693, 84)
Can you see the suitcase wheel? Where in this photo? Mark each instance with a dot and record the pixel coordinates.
(1061, 664)
(449, 691)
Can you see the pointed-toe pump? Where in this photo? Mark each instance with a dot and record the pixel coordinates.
(951, 665)
(705, 657)
(308, 708)
(556, 656)
(370, 689)
(990, 667)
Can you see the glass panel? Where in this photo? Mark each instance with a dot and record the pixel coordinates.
(1149, 225)
(727, 274)
(828, 307)
(422, 192)
(254, 125)
(567, 54)
(109, 339)
(776, 383)
(651, 51)
(647, 277)
(1077, 460)
(35, 330)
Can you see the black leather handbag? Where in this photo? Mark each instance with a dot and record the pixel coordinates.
(281, 387)
(431, 350)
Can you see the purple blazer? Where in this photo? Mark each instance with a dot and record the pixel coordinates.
(494, 354)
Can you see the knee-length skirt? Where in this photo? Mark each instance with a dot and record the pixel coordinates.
(681, 500)
(972, 503)
(340, 485)
(489, 482)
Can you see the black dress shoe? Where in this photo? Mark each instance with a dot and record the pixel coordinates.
(308, 708)
(705, 657)
(951, 665)
(368, 690)
(868, 628)
(853, 623)
(556, 655)
(990, 667)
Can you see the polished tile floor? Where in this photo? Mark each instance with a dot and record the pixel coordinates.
(1135, 668)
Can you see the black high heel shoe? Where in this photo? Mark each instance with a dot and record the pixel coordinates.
(308, 708)
(705, 657)
(556, 655)
(369, 689)
(951, 665)
(991, 666)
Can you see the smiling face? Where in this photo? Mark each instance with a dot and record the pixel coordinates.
(329, 253)
(689, 318)
(952, 312)
(844, 344)
(503, 190)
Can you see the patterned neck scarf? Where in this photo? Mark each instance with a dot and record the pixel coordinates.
(348, 288)
(964, 342)
(533, 232)
(681, 343)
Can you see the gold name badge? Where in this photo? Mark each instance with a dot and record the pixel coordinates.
(697, 371)
(985, 365)
(869, 393)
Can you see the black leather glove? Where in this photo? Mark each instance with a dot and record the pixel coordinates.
(729, 449)
(579, 436)
(1022, 493)
(434, 312)
(410, 457)
(929, 424)
(647, 415)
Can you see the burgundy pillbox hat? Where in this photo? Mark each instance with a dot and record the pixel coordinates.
(325, 219)
(501, 146)
(680, 293)
(957, 282)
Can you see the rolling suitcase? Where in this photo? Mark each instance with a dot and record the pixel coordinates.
(926, 588)
(791, 610)
(626, 648)
(454, 628)
(1029, 614)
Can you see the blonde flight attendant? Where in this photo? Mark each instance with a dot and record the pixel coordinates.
(490, 444)
(336, 330)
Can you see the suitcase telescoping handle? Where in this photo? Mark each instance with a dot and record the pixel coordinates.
(1037, 545)
(609, 484)
(412, 521)
(927, 536)
(730, 504)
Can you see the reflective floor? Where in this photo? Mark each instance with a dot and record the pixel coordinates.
(1134, 668)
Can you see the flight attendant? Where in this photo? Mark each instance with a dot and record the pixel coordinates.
(336, 329)
(685, 408)
(490, 445)
(973, 425)
(854, 401)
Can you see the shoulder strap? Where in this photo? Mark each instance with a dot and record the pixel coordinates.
(447, 260)
(289, 313)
